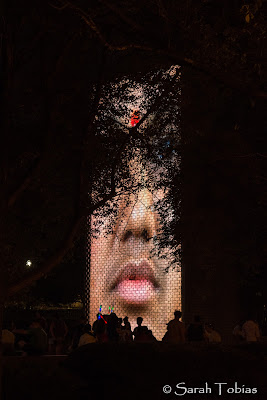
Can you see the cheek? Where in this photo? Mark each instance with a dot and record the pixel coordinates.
(97, 264)
(98, 249)
(100, 252)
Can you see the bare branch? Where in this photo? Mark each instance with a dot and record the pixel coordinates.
(162, 10)
(25, 183)
(49, 264)
(85, 144)
(59, 8)
(62, 56)
(30, 49)
(92, 25)
(172, 55)
(38, 162)
(118, 11)
(89, 21)
(58, 256)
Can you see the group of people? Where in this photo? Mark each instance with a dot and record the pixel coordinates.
(55, 337)
(247, 331)
(110, 328)
(40, 337)
(195, 332)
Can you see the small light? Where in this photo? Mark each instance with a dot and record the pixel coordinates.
(28, 263)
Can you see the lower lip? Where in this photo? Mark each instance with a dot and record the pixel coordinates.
(136, 291)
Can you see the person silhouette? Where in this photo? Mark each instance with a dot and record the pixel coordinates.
(113, 335)
(175, 330)
(87, 337)
(140, 330)
(195, 331)
(126, 331)
(250, 330)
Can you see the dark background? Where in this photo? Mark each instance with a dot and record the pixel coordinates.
(51, 62)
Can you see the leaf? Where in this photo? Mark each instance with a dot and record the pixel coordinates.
(247, 18)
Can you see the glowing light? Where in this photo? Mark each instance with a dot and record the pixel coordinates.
(135, 118)
(28, 263)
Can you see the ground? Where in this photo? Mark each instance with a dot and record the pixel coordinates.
(138, 371)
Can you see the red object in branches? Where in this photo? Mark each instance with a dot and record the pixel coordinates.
(135, 117)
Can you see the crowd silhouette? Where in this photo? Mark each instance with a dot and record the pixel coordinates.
(54, 337)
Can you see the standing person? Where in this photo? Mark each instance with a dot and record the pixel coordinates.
(140, 330)
(127, 331)
(127, 325)
(36, 343)
(211, 335)
(42, 321)
(112, 325)
(8, 339)
(250, 330)
(77, 332)
(96, 322)
(237, 332)
(195, 331)
(175, 330)
(120, 330)
(101, 331)
(87, 337)
(58, 330)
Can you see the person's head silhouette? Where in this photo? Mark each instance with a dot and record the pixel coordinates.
(177, 314)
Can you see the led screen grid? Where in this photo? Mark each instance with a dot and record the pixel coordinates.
(124, 272)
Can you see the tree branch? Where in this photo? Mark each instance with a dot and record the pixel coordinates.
(62, 56)
(59, 8)
(31, 47)
(171, 54)
(118, 12)
(25, 183)
(13, 197)
(49, 264)
(157, 101)
(58, 256)
(84, 183)
(78, 221)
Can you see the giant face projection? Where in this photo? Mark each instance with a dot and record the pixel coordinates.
(130, 271)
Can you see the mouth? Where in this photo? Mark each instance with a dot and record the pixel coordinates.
(136, 283)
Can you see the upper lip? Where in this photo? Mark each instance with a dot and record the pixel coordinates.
(136, 270)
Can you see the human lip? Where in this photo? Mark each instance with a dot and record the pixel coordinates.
(136, 283)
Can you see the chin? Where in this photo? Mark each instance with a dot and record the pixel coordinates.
(155, 300)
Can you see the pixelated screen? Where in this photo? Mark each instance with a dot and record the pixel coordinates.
(132, 268)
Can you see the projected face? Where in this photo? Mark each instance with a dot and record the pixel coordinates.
(124, 273)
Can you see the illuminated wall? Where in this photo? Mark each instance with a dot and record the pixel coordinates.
(124, 271)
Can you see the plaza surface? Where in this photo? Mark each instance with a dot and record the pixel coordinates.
(140, 371)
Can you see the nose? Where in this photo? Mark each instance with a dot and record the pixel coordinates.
(139, 220)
